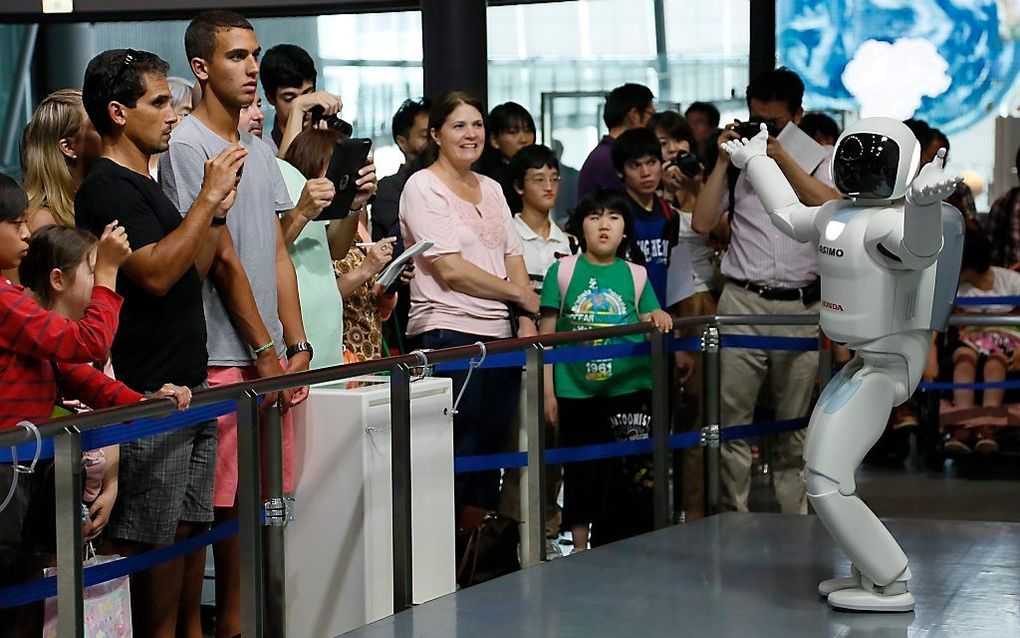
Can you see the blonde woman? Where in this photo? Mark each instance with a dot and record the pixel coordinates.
(58, 149)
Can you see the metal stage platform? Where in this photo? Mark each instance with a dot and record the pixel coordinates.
(735, 575)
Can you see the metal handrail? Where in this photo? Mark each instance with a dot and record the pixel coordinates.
(155, 408)
(262, 594)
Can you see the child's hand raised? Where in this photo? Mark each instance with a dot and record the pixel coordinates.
(112, 251)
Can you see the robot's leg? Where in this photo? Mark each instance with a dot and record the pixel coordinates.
(833, 388)
(844, 426)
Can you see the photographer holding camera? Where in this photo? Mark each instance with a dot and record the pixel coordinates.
(767, 273)
(682, 171)
(288, 77)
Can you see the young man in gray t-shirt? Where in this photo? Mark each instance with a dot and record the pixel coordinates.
(223, 52)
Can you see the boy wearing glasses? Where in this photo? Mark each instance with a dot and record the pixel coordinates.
(536, 178)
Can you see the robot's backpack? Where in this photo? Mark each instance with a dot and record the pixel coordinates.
(566, 273)
(947, 275)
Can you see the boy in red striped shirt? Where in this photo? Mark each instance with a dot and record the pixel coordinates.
(42, 349)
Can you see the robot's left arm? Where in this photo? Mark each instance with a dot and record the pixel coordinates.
(788, 214)
(920, 240)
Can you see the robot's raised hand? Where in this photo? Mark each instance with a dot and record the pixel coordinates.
(741, 151)
(932, 184)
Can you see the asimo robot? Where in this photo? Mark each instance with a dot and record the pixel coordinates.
(889, 259)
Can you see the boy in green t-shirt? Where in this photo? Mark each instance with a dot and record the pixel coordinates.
(604, 400)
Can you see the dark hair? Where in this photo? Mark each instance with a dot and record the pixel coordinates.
(675, 127)
(441, 109)
(634, 144)
(607, 199)
(924, 133)
(117, 75)
(508, 116)
(777, 85)
(52, 247)
(708, 109)
(404, 118)
(814, 123)
(622, 99)
(285, 66)
(200, 37)
(13, 200)
(977, 251)
(312, 149)
(534, 156)
(937, 135)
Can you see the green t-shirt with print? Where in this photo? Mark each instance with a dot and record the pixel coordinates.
(599, 297)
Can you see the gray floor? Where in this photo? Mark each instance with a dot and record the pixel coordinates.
(912, 493)
(735, 575)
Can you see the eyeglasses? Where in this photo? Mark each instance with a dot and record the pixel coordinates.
(537, 179)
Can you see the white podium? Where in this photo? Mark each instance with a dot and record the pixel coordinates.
(339, 550)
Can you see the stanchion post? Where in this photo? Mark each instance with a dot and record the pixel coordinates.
(660, 427)
(70, 580)
(711, 433)
(278, 514)
(249, 512)
(534, 423)
(400, 462)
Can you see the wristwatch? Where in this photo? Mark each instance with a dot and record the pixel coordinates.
(302, 346)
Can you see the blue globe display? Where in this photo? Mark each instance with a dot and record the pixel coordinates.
(951, 61)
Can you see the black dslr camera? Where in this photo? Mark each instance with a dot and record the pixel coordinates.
(688, 163)
(333, 121)
(752, 127)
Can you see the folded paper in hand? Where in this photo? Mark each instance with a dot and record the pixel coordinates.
(396, 267)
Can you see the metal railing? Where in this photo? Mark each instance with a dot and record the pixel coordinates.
(263, 596)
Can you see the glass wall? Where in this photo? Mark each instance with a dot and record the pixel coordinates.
(373, 61)
(558, 58)
(555, 49)
(12, 36)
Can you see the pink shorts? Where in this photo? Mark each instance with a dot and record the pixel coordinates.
(226, 451)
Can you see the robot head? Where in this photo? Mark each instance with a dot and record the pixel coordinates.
(875, 159)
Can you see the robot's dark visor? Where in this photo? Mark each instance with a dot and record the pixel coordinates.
(865, 165)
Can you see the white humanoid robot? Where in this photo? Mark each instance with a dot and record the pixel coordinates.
(889, 259)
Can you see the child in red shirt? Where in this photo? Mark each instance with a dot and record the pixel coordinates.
(50, 336)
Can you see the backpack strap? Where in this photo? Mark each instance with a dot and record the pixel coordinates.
(732, 174)
(563, 276)
(640, 277)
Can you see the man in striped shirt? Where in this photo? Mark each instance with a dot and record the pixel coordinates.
(767, 273)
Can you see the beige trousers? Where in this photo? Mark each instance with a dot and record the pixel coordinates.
(791, 376)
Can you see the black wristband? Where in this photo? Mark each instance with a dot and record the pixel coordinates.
(219, 221)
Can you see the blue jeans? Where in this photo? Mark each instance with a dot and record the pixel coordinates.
(484, 417)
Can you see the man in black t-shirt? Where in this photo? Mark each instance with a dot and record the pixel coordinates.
(166, 481)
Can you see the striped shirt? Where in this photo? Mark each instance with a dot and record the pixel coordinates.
(759, 252)
(34, 340)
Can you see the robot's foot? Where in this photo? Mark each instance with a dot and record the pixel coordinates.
(830, 585)
(891, 598)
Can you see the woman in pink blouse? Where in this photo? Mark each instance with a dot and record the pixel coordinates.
(467, 282)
